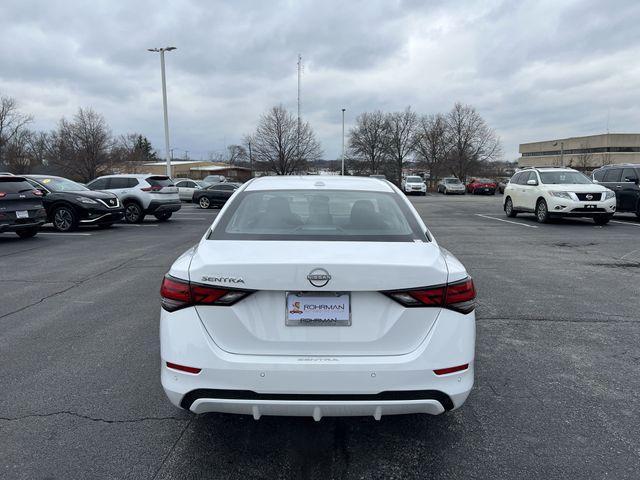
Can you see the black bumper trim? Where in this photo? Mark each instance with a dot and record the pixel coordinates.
(158, 207)
(194, 395)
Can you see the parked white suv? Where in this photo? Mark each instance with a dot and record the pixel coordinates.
(558, 192)
(414, 184)
(141, 194)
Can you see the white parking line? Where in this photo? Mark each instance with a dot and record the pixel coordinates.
(626, 223)
(66, 234)
(506, 221)
(134, 225)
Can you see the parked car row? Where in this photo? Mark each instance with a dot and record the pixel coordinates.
(29, 201)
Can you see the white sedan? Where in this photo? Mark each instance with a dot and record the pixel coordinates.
(317, 296)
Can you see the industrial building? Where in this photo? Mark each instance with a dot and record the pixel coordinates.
(582, 153)
(197, 170)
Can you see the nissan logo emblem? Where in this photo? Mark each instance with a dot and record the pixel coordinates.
(318, 277)
(589, 196)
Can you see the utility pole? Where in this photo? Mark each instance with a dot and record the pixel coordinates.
(167, 152)
(343, 141)
(250, 157)
(298, 135)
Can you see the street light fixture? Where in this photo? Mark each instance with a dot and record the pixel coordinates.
(164, 104)
(343, 141)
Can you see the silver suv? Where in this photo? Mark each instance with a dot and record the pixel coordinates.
(141, 195)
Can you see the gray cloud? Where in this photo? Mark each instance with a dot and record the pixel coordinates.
(534, 69)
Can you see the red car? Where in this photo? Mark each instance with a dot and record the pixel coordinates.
(482, 185)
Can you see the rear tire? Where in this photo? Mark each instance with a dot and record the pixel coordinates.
(204, 202)
(163, 217)
(133, 213)
(602, 219)
(542, 211)
(65, 219)
(27, 232)
(508, 208)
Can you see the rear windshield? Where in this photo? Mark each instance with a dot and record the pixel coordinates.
(14, 185)
(563, 178)
(311, 215)
(160, 182)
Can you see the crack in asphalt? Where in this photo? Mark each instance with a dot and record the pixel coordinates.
(87, 417)
(75, 284)
(173, 447)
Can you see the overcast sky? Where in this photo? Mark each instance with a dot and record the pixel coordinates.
(534, 69)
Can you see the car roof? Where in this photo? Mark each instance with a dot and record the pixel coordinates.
(132, 175)
(620, 165)
(40, 177)
(315, 182)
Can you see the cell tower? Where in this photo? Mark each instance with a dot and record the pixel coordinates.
(298, 131)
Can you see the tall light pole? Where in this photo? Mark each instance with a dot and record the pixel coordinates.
(164, 104)
(343, 140)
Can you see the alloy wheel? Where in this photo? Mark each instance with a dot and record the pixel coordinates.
(204, 202)
(63, 219)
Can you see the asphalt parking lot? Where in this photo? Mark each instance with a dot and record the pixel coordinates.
(557, 391)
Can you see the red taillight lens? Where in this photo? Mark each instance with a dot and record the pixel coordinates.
(177, 294)
(2, 194)
(155, 188)
(458, 296)
(444, 371)
(184, 368)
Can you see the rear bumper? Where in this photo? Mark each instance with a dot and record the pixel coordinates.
(12, 224)
(12, 227)
(164, 207)
(317, 386)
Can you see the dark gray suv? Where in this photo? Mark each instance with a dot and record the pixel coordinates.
(624, 180)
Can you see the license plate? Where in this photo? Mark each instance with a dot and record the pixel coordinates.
(22, 214)
(312, 309)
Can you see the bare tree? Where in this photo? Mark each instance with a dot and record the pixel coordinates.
(432, 144)
(12, 124)
(583, 159)
(237, 154)
(278, 148)
(81, 147)
(367, 142)
(472, 140)
(400, 139)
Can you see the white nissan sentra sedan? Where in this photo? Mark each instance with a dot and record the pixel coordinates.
(317, 296)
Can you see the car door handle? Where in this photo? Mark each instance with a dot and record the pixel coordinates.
(618, 186)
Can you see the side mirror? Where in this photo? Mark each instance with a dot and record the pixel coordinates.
(532, 182)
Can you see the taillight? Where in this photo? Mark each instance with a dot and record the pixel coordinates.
(2, 194)
(459, 296)
(154, 188)
(177, 294)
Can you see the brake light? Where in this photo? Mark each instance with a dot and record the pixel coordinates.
(459, 296)
(154, 188)
(177, 294)
(2, 194)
